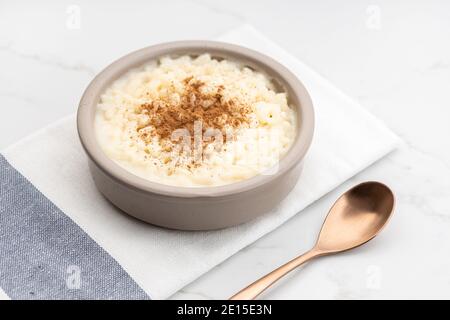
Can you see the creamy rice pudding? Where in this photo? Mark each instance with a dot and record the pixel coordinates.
(195, 122)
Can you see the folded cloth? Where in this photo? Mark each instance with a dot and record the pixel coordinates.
(60, 239)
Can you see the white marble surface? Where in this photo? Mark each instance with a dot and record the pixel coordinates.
(392, 57)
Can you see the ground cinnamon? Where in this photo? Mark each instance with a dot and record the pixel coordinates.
(165, 115)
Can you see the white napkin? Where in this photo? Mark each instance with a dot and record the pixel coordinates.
(347, 140)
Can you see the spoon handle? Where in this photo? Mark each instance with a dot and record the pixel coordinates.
(257, 287)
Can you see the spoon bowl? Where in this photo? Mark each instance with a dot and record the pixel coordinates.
(355, 218)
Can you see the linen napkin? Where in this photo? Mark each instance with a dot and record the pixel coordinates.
(60, 239)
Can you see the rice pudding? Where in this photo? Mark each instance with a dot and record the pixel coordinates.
(195, 122)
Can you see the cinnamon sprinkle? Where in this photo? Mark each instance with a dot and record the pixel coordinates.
(165, 115)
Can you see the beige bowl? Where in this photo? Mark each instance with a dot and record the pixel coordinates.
(196, 208)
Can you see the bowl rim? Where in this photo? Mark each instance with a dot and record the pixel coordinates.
(89, 100)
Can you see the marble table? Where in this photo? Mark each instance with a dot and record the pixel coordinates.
(392, 57)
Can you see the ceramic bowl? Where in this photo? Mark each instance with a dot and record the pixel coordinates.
(196, 208)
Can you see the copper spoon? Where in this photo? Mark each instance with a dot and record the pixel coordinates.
(355, 218)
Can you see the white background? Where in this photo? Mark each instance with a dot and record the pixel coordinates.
(391, 56)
